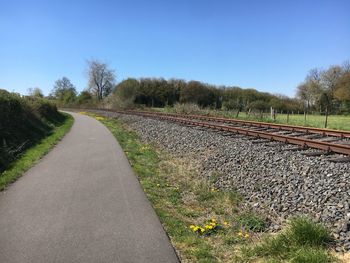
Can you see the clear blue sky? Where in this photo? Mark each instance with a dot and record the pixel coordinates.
(267, 45)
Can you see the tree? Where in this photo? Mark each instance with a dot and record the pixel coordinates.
(84, 97)
(260, 106)
(342, 91)
(329, 80)
(35, 92)
(346, 66)
(64, 91)
(199, 93)
(126, 91)
(101, 79)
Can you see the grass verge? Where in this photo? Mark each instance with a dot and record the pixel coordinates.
(206, 224)
(33, 154)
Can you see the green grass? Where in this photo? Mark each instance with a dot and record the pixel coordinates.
(27, 159)
(303, 241)
(251, 221)
(338, 122)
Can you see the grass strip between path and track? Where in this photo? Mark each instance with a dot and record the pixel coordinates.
(206, 224)
(30, 157)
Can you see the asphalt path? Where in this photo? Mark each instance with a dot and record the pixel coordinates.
(81, 203)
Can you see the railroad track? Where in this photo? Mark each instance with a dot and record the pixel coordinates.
(327, 141)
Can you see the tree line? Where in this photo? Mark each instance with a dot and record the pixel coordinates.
(153, 92)
(324, 91)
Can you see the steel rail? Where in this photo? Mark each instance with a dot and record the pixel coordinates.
(303, 142)
(293, 128)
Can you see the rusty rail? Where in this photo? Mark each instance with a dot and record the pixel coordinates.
(303, 142)
(292, 128)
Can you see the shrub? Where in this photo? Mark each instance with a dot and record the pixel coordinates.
(23, 122)
(187, 108)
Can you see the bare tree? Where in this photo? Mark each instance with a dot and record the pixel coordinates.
(101, 79)
(330, 78)
(346, 66)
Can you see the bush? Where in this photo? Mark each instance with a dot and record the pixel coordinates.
(187, 108)
(23, 122)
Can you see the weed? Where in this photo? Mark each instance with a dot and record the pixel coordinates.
(252, 222)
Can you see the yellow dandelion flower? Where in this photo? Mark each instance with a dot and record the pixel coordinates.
(246, 235)
(202, 230)
(240, 234)
(225, 223)
(192, 226)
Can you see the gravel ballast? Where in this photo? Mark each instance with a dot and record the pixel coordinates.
(273, 180)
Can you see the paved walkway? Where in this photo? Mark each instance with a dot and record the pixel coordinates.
(81, 203)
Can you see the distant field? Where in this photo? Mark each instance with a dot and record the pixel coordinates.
(339, 122)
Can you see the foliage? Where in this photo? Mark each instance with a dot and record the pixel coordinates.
(28, 158)
(153, 92)
(323, 91)
(84, 98)
(126, 92)
(342, 92)
(64, 91)
(23, 122)
(187, 108)
(326, 90)
(35, 92)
